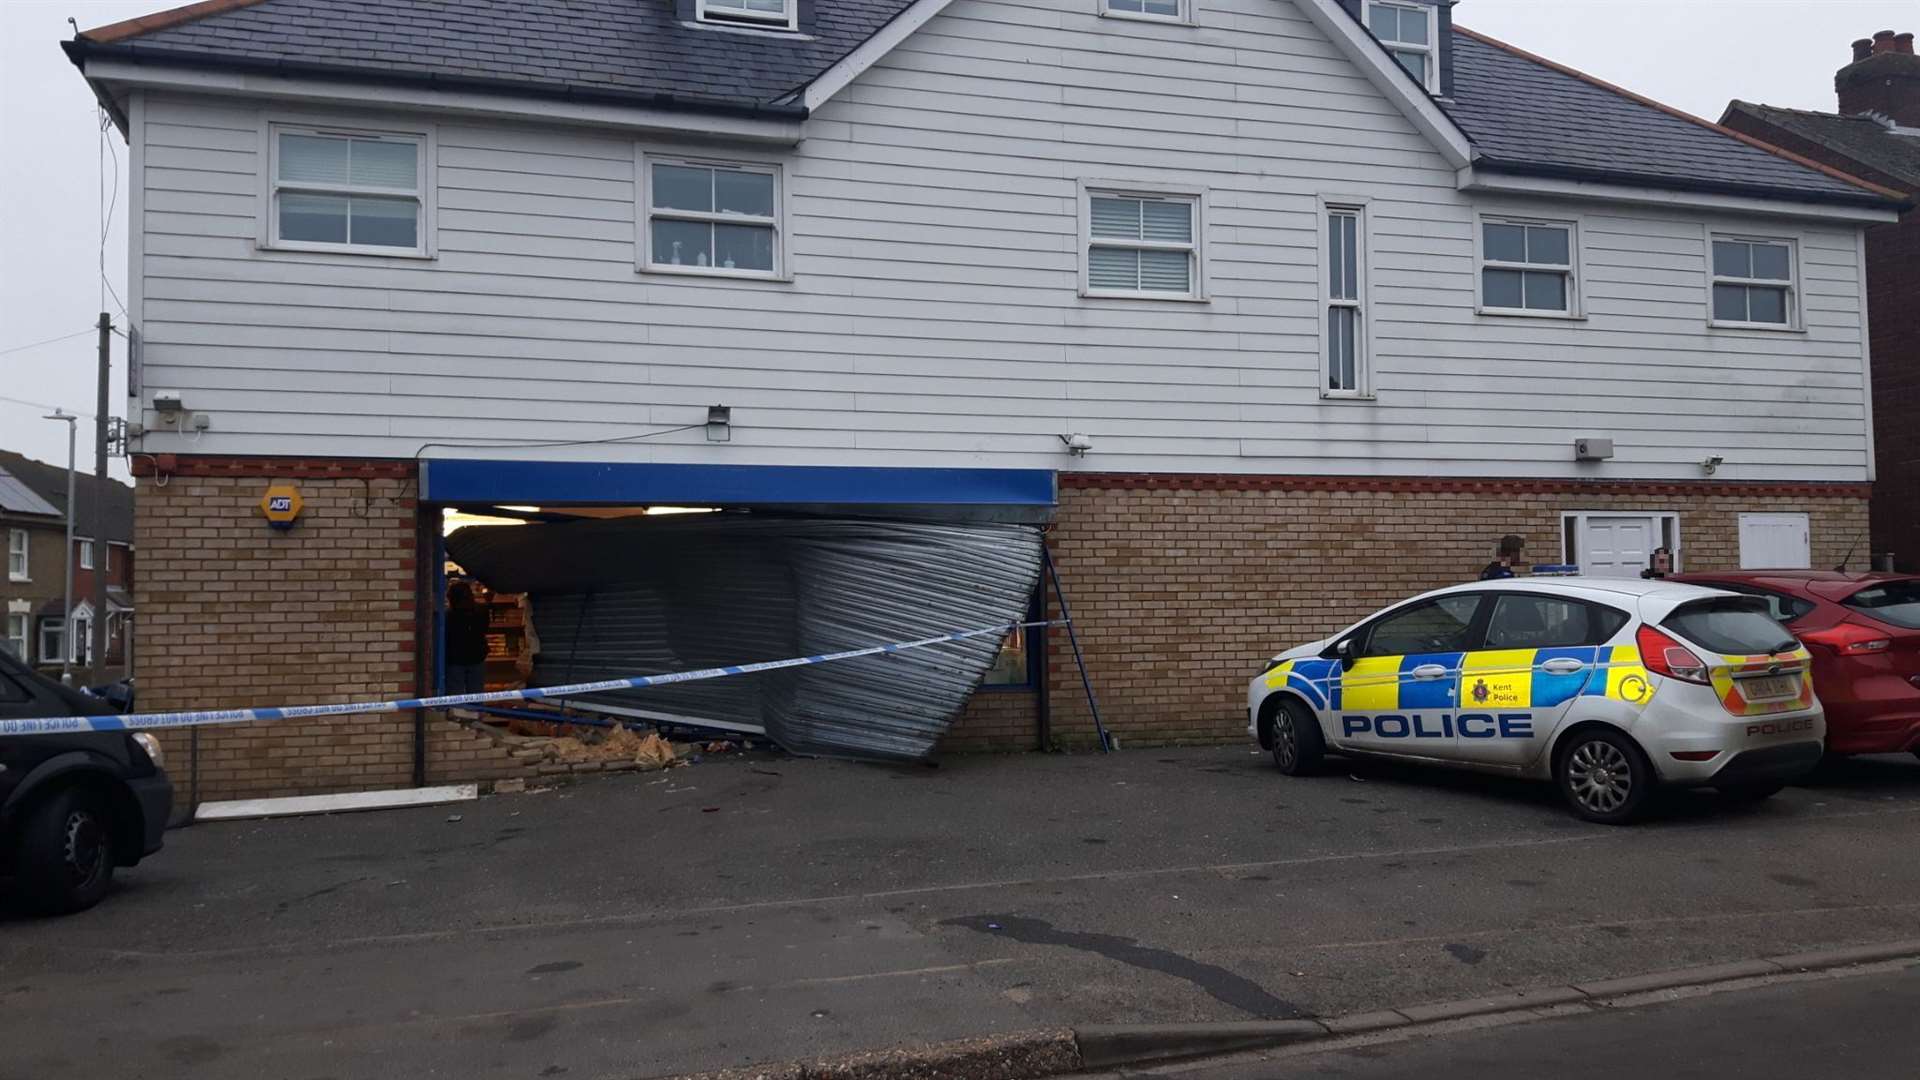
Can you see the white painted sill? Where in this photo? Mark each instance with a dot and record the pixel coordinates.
(1141, 16)
(720, 272)
(345, 249)
(1164, 298)
(1523, 313)
(1765, 328)
(1349, 395)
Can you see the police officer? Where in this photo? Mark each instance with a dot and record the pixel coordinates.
(1511, 547)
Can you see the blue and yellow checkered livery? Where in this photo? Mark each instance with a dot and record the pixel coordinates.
(1490, 679)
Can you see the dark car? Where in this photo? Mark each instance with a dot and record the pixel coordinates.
(72, 806)
(1864, 633)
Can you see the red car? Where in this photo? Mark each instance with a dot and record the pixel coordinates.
(1864, 633)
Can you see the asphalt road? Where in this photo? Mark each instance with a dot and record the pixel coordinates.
(1860, 1028)
(749, 910)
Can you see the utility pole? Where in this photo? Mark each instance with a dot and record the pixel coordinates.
(97, 626)
(66, 602)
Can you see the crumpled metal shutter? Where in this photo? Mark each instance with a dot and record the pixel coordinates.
(638, 596)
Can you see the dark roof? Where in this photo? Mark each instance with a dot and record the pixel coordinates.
(1523, 114)
(1531, 116)
(17, 498)
(50, 483)
(1861, 138)
(582, 49)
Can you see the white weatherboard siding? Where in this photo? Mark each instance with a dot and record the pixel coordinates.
(933, 318)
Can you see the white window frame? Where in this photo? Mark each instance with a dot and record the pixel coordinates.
(20, 550)
(1328, 207)
(86, 554)
(20, 635)
(1119, 189)
(1669, 531)
(1431, 49)
(1796, 322)
(646, 160)
(270, 187)
(1575, 268)
(57, 626)
(788, 20)
(1183, 17)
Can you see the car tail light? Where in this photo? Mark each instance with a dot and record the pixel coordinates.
(1695, 755)
(1849, 639)
(1662, 655)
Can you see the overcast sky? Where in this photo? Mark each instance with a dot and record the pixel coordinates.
(1693, 54)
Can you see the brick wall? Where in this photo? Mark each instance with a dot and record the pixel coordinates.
(233, 613)
(996, 720)
(1893, 299)
(1893, 282)
(1180, 594)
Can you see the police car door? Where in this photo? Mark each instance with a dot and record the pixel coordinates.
(1400, 686)
(1537, 654)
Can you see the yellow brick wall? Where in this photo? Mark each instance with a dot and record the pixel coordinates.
(235, 614)
(1180, 594)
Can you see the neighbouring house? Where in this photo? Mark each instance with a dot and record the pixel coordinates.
(1876, 135)
(33, 514)
(1269, 311)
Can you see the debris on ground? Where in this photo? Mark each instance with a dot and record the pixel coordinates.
(648, 751)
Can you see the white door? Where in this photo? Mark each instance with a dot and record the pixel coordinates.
(1774, 542)
(1617, 547)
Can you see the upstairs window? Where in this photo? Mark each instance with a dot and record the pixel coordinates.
(720, 218)
(17, 568)
(86, 554)
(1753, 283)
(765, 14)
(1527, 268)
(348, 191)
(1142, 246)
(1162, 10)
(1411, 33)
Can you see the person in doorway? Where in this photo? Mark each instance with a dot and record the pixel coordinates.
(1511, 549)
(466, 641)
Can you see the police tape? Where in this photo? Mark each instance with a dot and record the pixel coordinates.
(56, 725)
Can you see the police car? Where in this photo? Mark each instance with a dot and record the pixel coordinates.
(1607, 688)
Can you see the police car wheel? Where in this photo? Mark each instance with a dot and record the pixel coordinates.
(1297, 744)
(1604, 776)
(65, 854)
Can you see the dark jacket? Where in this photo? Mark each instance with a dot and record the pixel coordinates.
(466, 635)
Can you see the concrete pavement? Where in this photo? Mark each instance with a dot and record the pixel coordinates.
(761, 909)
(1860, 1027)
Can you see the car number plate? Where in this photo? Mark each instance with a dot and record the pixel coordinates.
(1770, 687)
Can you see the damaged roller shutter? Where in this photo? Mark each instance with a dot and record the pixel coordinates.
(645, 595)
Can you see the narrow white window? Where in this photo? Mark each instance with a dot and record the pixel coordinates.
(17, 637)
(766, 14)
(1753, 283)
(17, 567)
(1346, 275)
(1527, 267)
(713, 218)
(1162, 10)
(348, 191)
(1411, 34)
(1142, 245)
(86, 554)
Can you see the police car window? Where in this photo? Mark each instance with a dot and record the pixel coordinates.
(1439, 626)
(1549, 622)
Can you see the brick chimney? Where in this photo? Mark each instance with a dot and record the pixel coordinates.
(1884, 78)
